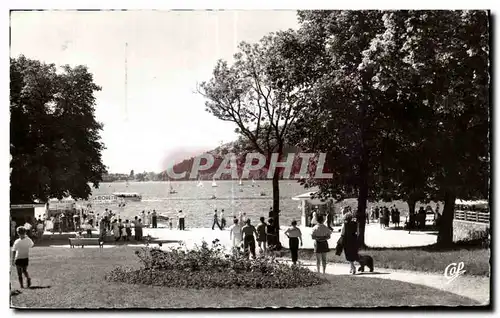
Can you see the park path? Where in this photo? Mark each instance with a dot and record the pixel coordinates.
(474, 287)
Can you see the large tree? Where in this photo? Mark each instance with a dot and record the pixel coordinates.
(435, 64)
(55, 143)
(344, 117)
(254, 94)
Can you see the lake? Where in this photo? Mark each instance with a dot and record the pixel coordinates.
(198, 206)
(196, 201)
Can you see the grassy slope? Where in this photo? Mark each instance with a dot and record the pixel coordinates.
(75, 278)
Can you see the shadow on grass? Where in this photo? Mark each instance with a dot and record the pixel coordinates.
(40, 287)
(372, 273)
(15, 293)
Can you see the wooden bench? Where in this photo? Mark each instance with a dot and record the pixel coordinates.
(85, 241)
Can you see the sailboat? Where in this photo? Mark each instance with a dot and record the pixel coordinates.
(253, 182)
(172, 190)
(241, 183)
(214, 184)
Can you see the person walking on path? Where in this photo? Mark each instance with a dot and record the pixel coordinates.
(216, 221)
(235, 234)
(294, 235)
(20, 255)
(182, 224)
(248, 238)
(321, 234)
(154, 219)
(272, 236)
(222, 219)
(261, 235)
(349, 239)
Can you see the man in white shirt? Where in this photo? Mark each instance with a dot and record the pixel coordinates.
(20, 255)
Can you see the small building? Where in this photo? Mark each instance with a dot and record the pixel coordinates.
(308, 205)
(20, 213)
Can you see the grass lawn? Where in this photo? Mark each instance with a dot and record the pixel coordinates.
(426, 259)
(74, 278)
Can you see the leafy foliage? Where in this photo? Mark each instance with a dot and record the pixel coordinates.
(209, 267)
(55, 143)
(399, 101)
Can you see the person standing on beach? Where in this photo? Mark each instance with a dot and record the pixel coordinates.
(154, 219)
(116, 230)
(321, 234)
(181, 216)
(270, 214)
(134, 224)
(102, 231)
(216, 221)
(20, 255)
(235, 234)
(248, 237)
(143, 217)
(294, 235)
(138, 230)
(261, 235)
(147, 221)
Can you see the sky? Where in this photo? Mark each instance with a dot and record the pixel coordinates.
(157, 117)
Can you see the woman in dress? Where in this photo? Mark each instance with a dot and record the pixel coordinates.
(349, 237)
(271, 236)
(321, 234)
(235, 234)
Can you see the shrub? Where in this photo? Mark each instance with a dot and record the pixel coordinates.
(477, 238)
(211, 267)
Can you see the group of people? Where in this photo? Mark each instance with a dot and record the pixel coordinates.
(385, 216)
(243, 234)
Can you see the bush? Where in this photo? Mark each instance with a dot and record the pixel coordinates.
(477, 238)
(210, 267)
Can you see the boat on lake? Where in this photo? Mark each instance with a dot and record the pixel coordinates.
(128, 196)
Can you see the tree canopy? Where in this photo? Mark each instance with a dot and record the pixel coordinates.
(54, 136)
(400, 102)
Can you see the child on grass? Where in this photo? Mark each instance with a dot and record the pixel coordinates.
(20, 255)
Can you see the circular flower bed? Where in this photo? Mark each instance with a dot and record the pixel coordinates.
(210, 267)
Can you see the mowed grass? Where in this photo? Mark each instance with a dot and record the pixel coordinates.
(425, 259)
(74, 278)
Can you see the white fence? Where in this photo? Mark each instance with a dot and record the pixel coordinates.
(472, 216)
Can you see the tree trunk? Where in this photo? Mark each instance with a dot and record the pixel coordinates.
(276, 201)
(362, 202)
(411, 212)
(445, 234)
(361, 214)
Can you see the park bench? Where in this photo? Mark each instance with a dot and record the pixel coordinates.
(85, 241)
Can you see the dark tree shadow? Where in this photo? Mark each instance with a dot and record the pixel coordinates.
(39, 287)
(372, 273)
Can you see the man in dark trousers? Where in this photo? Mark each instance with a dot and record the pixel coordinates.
(216, 221)
(154, 219)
